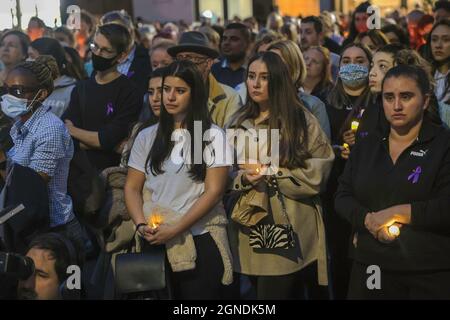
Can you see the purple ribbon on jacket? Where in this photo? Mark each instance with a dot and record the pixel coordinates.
(130, 74)
(414, 176)
(109, 108)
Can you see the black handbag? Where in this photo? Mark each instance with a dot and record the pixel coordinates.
(273, 236)
(141, 272)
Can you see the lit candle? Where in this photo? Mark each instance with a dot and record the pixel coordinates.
(155, 220)
(394, 230)
(355, 125)
(258, 170)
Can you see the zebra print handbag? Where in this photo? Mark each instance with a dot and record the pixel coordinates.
(273, 236)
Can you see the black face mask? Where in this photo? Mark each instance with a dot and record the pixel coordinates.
(101, 64)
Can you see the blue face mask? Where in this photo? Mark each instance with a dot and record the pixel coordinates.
(14, 107)
(353, 75)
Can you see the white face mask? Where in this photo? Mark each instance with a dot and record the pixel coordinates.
(14, 107)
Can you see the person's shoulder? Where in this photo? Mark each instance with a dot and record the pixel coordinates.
(310, 100)
(51, 125)
(124, 84)
(147, 133)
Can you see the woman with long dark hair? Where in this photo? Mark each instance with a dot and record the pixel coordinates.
(440, 54)
(350, 95)
(282, 264)
(191, 190)
(395, 193)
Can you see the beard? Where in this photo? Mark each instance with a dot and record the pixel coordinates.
(236, 57)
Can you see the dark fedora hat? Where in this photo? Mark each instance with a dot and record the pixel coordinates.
(193, 41)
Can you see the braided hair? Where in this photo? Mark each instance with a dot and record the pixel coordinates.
(40, 71)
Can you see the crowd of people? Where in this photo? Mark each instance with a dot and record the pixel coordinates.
(90, 127)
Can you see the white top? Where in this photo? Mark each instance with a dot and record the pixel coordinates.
(175, 189)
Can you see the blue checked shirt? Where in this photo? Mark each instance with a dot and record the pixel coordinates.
(44, 144)
(124, 67)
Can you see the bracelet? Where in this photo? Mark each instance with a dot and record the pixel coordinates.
(140, 225)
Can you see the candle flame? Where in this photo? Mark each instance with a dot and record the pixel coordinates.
(394, 230)
(155, 220)
(354, 125)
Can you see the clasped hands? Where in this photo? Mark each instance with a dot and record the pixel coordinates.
(378, 223)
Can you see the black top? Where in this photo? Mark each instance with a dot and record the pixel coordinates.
(337, 118)
(420, 177)
(224, 74)
(372, 120)
(332, 45)
(110, 109)
(140, 70)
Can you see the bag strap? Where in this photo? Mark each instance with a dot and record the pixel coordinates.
(281, 199)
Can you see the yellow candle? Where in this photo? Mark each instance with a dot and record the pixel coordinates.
(354, 125)
(394, 230)
(155, 220)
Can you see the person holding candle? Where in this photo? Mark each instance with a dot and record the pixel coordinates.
(288, 195)
(349, 96)
(400, 177)
(180, 185)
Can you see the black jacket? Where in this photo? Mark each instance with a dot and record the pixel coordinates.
(140, 70)
(420, 177)
(26, 187)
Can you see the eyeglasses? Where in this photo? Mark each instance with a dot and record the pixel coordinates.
(18, 91)
(194, 60)
(96, 48)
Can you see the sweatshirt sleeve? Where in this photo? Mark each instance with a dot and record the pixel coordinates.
(435, 213)
(345, 203)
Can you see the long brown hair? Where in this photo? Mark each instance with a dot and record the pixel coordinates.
(286, 111)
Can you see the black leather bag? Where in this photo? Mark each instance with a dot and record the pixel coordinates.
(141, 272)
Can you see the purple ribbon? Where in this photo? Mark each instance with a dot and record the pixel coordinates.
(130, 74)
(414, 176)
(109, 108)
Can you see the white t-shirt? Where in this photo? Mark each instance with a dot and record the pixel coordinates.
(175, 189)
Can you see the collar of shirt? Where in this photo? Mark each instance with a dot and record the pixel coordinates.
(226, 65)
(125, 65)
(21, 129)
(427, 132)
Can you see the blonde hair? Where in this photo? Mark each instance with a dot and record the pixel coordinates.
(292, 56)
(326, 75)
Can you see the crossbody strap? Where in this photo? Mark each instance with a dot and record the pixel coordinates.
(281, 199)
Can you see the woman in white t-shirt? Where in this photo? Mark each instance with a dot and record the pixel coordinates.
(178, 181)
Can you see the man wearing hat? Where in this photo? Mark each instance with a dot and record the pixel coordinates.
(223, 100)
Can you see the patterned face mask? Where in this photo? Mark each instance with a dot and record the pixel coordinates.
(353, 75)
